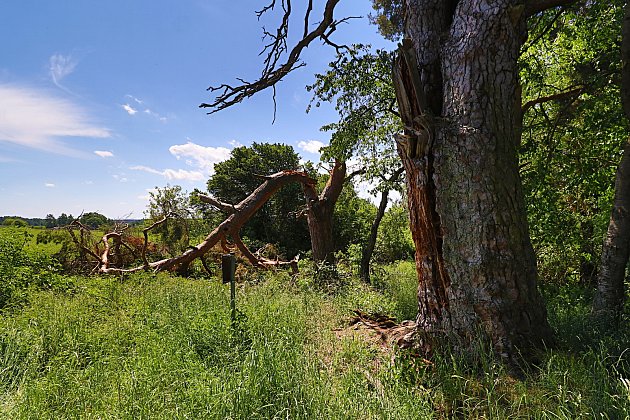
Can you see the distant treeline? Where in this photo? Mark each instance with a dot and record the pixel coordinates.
(92, 219)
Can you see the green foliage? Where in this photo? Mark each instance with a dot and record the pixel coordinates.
(15, 222)
(276, 222)
(21, 269)
(94, 220)
(389, 18)
(163, 347)
(394, 241)
(173, 203)
(572, 146)
(352, 219)
(359, 84)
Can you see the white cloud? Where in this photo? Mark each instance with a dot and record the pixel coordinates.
(235, 143)
(130, 110)
(103, 153)
(141, 107)
(202, 157)
(60, 67)
(49, 185)
(183, 175)
(172, 174)
(37, 119)
(311, 146)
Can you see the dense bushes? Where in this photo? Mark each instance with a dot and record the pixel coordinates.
(21, 269)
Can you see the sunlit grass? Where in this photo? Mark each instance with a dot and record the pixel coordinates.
(164, 347)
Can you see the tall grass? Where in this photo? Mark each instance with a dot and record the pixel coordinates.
(164, 347)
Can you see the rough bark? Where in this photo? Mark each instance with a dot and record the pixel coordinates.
(320, 211)
(459, 96)
(368, 250)
(610, 294)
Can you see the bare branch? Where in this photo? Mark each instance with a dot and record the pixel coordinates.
(273, 71)
(353, 174)
(224, 207)
(555, 97)
(145, 232)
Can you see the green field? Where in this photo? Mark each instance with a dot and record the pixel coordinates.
(147, 346)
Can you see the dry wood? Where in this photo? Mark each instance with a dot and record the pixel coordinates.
(228, 230)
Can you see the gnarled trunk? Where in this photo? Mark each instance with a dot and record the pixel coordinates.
(459, 96)
(320, 214)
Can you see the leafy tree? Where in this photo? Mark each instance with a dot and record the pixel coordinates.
(573, 130)
(457, 85)
(276, 222)
(395, 242)
(171, 203)
(64, 219)
(94, 220)
(610, 296)
(51, 221)
(15, 222)
(359, 84)
(352, 219)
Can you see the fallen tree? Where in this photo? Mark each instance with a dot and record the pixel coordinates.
(227, 233)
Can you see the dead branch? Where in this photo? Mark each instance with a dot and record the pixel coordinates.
(273, 70)
(224, 207)
(228, 229)
(145, 233)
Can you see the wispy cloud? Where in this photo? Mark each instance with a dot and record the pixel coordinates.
(311, 146)
(202, 157)
(172, 174)
(38, 119)
(129, 109)
(60, 67)
(49, 185)
(103, 153)
(141, 107)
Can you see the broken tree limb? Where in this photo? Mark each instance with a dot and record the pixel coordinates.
(220, 205)
(228, 229)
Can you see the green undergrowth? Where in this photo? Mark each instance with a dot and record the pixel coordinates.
(148, 346)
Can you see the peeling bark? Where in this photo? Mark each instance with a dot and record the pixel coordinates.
(459, 96)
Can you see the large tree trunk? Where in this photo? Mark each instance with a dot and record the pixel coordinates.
(320, 214)
(610, 294)
(461, 109)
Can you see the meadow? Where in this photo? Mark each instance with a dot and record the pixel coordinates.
(160, 346)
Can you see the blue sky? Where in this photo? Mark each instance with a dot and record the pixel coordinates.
(99, 99)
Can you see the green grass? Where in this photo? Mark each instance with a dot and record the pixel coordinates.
(148, 346)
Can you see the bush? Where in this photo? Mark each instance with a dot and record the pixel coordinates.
(21, 269)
